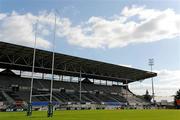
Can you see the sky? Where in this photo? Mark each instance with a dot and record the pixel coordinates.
(122, 32)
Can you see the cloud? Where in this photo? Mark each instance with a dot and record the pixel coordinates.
(166, 84)
(134, 25)
(2, 16)
(19, 29)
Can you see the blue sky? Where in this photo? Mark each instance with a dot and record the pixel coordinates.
(165, 50)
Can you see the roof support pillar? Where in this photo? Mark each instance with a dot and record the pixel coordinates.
(59, 77)
(80, 85)
(126, 89)
(62, 78)
(20, 72)
(70, 78)
(43, 76)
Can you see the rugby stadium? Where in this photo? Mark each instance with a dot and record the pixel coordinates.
(82, 88)
(89, 60)
(78, 83)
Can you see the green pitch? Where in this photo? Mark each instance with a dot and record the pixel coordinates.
(97, 115)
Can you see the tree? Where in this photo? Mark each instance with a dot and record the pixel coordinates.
(177, 97)
(147, 97)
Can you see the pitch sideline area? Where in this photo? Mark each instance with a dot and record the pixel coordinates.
(97, 115)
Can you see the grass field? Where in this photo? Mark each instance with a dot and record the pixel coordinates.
(97, 115)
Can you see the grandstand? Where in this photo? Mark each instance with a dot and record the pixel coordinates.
(79, 83)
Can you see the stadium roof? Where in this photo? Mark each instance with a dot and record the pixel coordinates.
(20, 58)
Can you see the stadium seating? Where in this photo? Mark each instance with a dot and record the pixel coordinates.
(17, 88)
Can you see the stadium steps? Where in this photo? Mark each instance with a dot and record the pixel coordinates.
(65, 97)
(62, 99)
(56, 99)
(85, 98)
(119, 98)
(114, 98)
(8, 98)
(2, 98)
(93, 98)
